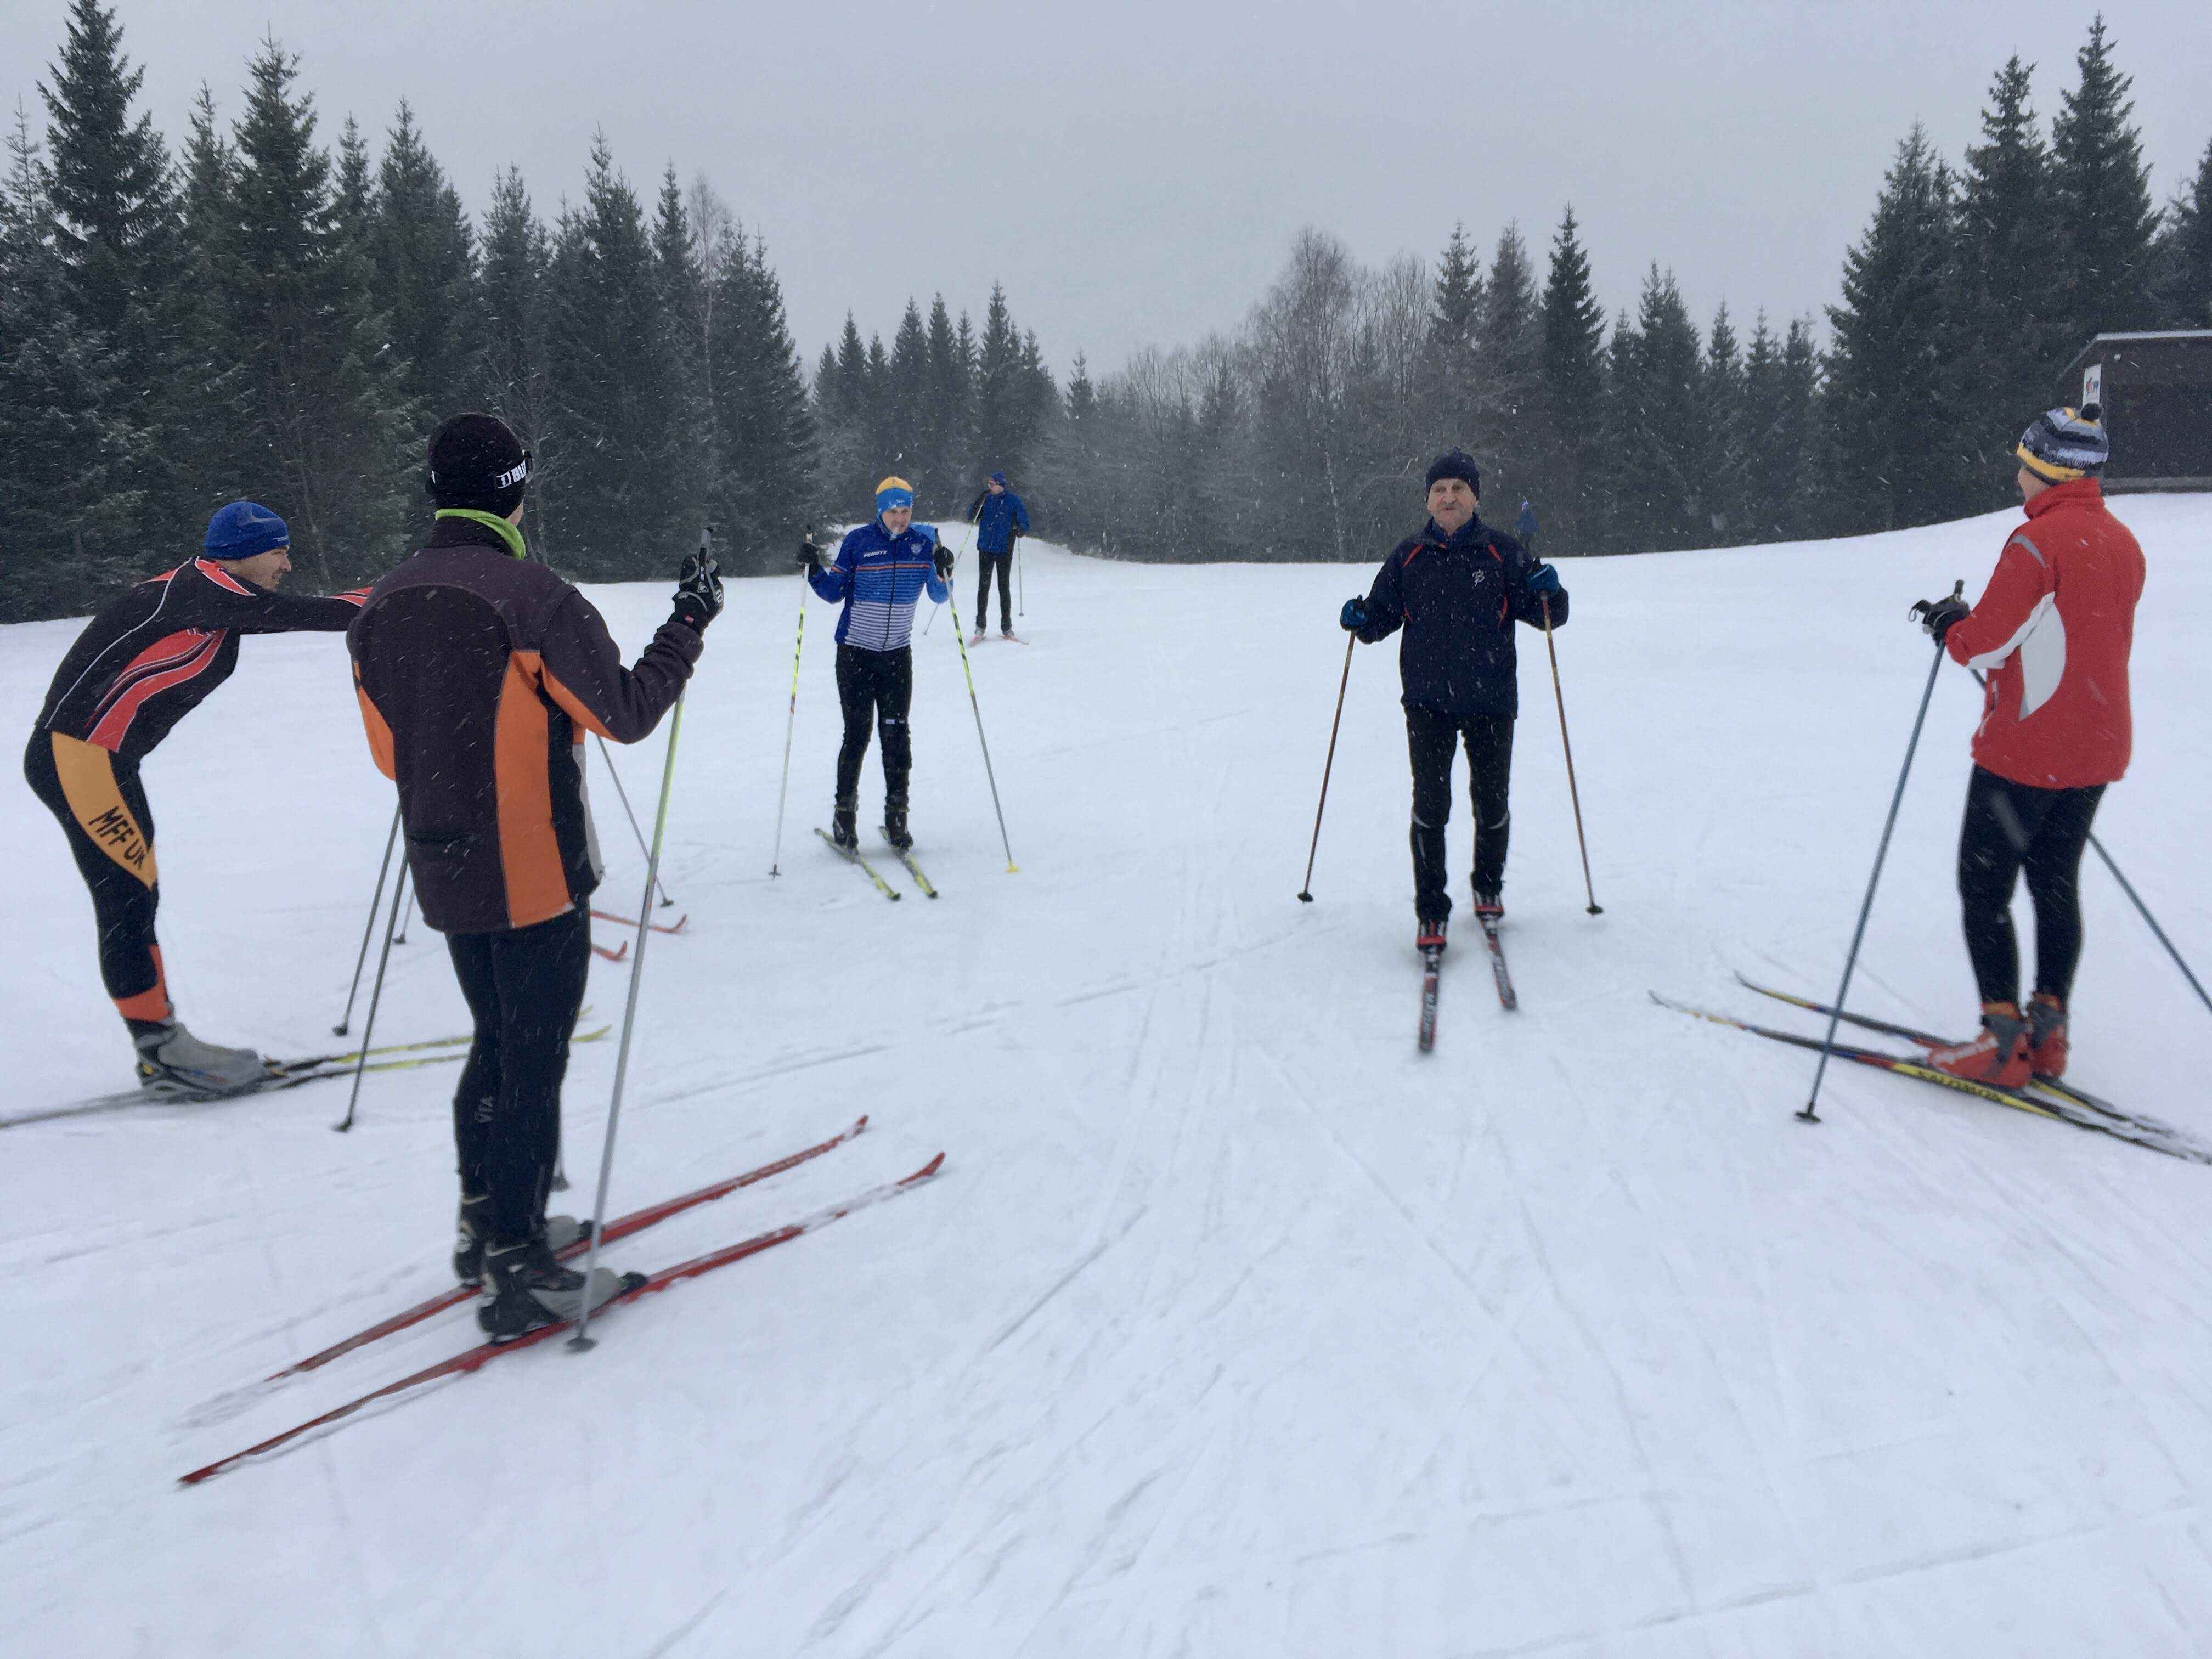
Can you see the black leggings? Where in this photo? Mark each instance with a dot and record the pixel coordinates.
(2008, 827)
(876, 689)
(1433, 740)
(1003, 564)
(525, 989)
(102, 810)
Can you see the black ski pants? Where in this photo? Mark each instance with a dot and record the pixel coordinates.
(876, 689)
(525, 989)
(1003, 564)
(1434, 740)
(97, 800)
(2010, 826)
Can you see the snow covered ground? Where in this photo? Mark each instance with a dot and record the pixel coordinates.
(1234, 1327)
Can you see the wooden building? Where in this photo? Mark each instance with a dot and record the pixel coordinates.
(2156, 390)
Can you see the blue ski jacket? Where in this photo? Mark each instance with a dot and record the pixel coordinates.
(998, 519)
(881, 579)
(1457, 598)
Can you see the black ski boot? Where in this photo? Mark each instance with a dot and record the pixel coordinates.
(471, 1235)
(842, 821)
(895, 830)
(526, 1289)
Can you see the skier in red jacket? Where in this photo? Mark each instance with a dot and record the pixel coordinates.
(2052, 632)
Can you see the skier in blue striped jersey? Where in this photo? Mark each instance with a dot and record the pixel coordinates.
(881, 571)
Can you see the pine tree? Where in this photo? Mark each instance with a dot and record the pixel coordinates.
(119, 258)
(325, 417)
(1572, 371)
(2185, 253)
(1452, 373)
(2107, 224)
(1905, 451)
(66, 506)
(906, 397)
(999, 394)
(512, 309)
(610, 384)
(1724, 414)
(686, 418)
(1779, 385)
(764, 472)
(948, 418)
(1509, 346)
(1660, 462)
(422, 250)
(2009, 225)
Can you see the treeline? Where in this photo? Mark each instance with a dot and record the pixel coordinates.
(260, 316)
(1305, 434)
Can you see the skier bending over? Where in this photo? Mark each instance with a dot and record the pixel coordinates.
(479, 671)
(1000, 521)
(140, 666)
(2053, 629)
(1457, 586)
(881, 571)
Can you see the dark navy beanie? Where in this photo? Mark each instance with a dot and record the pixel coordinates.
(476, 461)
(998, 478)
(244, 529)
(1456, 463)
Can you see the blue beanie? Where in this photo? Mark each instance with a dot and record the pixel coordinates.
(998, 478)
(244, 529)
(893, 492)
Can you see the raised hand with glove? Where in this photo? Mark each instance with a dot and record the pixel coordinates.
(1353, 617)
(699, 587)
(944, 562)
(810, 555)
(1938, 615)
(1544, 580)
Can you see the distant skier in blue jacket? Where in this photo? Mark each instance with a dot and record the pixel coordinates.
(881, 571)
(1001, 520)
(1457, 588)
(1524, 527)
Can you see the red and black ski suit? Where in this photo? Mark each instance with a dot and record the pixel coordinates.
(139, 667)
(2052, 632)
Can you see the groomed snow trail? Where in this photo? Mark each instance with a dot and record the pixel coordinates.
(1233, 1327)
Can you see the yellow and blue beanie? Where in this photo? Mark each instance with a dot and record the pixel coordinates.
(2062, 445)
(244, 529)
(893, 492)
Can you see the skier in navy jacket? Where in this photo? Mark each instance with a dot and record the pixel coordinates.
(1001, 520)
(1457, 588)
(881, 571)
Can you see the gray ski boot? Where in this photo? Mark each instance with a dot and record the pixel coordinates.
(173, 1061)
(471, 1236)
(526, 1289)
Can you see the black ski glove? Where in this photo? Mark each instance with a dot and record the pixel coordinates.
(944, 562)
(698, 592)
(1937, 616)
(810, 555)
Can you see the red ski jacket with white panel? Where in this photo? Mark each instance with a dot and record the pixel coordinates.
(2052, 631)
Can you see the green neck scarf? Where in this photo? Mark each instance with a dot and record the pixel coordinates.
(507, 533)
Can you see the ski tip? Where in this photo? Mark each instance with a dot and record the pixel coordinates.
(926, 1170)
(859, 1123)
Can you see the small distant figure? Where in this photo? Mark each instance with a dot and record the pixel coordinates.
(1524, 528)
(1000, 521)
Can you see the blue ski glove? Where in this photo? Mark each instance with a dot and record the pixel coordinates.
(1353, 617)
(1543, 579)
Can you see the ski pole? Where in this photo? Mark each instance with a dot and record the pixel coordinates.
(376, 997)
(368, 927)
(2136, 899)
(791, 721)
(409, 915)
(1011, 867)
(1866, 908)
(955, 600)
(1573, 794)
(1021, 582)
(623, 795)
(582, 1341)
(1305, 893)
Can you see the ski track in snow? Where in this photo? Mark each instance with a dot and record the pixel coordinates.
(1233, 1326)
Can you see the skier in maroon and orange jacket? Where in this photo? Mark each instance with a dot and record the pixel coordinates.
(2052, 633)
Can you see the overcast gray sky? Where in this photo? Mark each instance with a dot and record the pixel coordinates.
(1134, 173)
